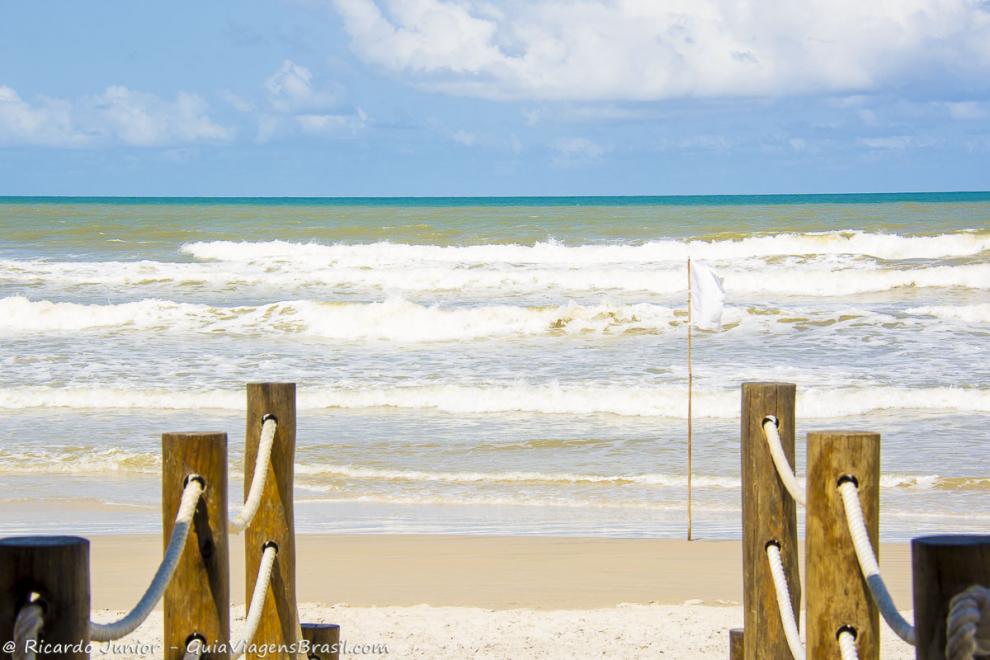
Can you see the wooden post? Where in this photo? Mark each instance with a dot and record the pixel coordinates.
(943, 566)
(837, 595)
(736, 650)
(769, 513)
(56, 568)
(197, 600)
(323, 639)
(274, 521)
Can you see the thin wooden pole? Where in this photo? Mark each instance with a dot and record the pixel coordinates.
(323, 640)
(273, 523)
(769, 514)
(690, 416)
(943, 566)
(736, 638)
(837, 595)
(54, 571)
(197, 600)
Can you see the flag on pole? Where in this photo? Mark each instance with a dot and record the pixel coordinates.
(707, 297)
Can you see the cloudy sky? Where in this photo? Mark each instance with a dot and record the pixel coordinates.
(493, 97)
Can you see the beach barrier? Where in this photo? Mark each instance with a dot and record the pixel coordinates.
(845, 591)
(45, 584)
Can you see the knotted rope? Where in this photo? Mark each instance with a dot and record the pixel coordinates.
(105, 632)
(253, 501)
(27, 625)
(968, 624)
(868, 563)
(257, 606)
(784, 602)
(784, 470)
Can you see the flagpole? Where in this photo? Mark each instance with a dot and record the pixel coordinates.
(690, 394)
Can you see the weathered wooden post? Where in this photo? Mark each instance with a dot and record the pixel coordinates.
(197, 600)
(273, 523)
(323, 639)
(944, 566)
(769, 514)
(52, 571)
(837, 595)
(736, 650)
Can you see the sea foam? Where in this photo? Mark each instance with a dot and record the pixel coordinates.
(548, 398)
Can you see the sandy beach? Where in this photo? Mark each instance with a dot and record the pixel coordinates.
(495, 597)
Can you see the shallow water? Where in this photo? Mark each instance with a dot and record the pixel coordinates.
(505, 366)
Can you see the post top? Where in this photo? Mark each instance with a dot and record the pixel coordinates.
(845, 432)
(42, 541)
(951, 540)
(767, 383)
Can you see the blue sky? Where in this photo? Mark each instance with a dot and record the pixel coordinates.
(480, 97)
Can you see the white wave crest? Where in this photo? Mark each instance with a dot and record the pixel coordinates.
(550, 398)
(979, 313)
(394, 319)
(357, 472)
(831, 276)
(851, 242)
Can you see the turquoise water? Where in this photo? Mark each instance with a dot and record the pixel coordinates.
(489, 365)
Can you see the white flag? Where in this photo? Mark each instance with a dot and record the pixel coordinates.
(706, 297)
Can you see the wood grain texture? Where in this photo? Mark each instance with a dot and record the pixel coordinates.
(274, 521)
(197, 600)
(942, 567)
(56, 568)
(837, 595)
(324, 639)
(736, 640)
(768, 514)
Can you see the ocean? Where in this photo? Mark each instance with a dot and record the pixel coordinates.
(503, 366)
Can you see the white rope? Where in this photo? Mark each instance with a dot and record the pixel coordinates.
(253, 501)
(257, 600)
(784, 602)
(784, 470)
(968, 624)
(27, 625)
(105, 632)
(868, 563)
(847, 646)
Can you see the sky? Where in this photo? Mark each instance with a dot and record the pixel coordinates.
(489, 97)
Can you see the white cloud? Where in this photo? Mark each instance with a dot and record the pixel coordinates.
(49, 123)
(643, 49)
(323, 124)
(896, 142)
(237, 102)
(576, 149)
(144, 120)
(291, 89)
(298, 106)
(118, 115)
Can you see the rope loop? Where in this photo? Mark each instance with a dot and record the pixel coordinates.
(240, 522)
(257, 606)
(784, 471)
(787, 620)
(868, 565)
(105, 632)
